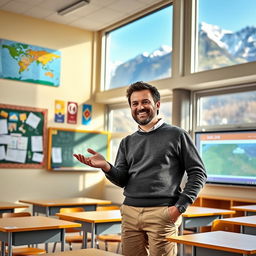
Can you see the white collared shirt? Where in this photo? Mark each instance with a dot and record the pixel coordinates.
(158, 124)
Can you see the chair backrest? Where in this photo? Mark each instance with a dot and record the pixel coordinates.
(68, 210)
(220, 225)
(15, 214)
(107, 208)
(71, 209)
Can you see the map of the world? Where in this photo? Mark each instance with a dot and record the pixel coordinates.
(29, 63)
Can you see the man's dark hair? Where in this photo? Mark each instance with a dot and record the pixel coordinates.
(140, 86)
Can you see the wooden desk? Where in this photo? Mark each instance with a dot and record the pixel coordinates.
(9, 207)
(51, 207)
(248, 209)
(247, 223)
(83, 252)
(196, 217)
(96, 223)
(32, 230)
(218, 243)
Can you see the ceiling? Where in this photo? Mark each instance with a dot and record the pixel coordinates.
(94, 16)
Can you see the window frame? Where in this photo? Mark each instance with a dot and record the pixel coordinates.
(110, 107)
(197, 95)
(184, 29)
(105, 32)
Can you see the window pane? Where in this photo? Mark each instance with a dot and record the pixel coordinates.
(122, 121)
(226, 33)
(139, 51)
(114, 148)
(228, 109)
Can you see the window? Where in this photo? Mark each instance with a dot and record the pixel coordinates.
(227, 108)
(140, 50)
(121, 122)
(226, 33)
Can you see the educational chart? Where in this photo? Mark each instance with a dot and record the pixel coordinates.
(29, 63)
(63, 143)
(22, 137)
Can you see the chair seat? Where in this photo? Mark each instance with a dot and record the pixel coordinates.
(75, 239)
(109, 238)
(27, 251)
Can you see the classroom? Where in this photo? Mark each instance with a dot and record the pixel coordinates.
(205, 75)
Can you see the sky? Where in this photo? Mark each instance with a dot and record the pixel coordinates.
(228, 14)
(155, 30)
(146, 35)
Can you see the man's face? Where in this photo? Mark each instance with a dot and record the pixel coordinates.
(143, 107)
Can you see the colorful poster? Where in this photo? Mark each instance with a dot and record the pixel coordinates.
(72, 110)
(86, 114)
(59, 111)
(29, 63)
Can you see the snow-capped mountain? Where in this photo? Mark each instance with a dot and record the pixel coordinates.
(217, 48)
(144, 67)
(240, 44)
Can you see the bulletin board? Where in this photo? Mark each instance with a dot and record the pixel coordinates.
(23, 132)
(63, 143)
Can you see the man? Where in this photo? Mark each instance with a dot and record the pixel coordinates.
(150, 165)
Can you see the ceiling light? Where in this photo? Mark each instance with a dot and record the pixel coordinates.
(73, 7)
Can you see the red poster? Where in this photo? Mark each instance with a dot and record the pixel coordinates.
(72, 110)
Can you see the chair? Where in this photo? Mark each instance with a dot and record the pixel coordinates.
(23, 251)
(70, 239)
(220, 225)
(109, 238)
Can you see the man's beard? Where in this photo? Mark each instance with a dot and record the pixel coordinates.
(143, 121)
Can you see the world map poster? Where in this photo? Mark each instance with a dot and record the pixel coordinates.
(29, 63)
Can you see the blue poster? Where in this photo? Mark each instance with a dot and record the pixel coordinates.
(86, 114)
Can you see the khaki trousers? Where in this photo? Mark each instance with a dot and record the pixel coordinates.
(144, 231)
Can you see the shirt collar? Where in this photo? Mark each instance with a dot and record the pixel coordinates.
(157, 125)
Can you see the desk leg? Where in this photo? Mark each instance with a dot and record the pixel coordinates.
(45, 246)
(181, 230)
(9, 243)
(47, 211)
(85, 240)
(2, 248)
(193, 251)
(93, 235)
(63, 240)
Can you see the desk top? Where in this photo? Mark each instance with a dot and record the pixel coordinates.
(8, 205)
(220, 240)
(249, 221)
(34, 223)
(66, 201)
(247, 208)
(93, 216)
(83, 252)
(196, 211)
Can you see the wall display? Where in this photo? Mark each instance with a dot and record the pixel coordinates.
(63, 143)
(229, 156)
(29, 63)
(86, 114)
(22, 137)
(72, 110)
(59, 115)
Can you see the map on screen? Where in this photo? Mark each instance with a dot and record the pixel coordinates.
(229, 157)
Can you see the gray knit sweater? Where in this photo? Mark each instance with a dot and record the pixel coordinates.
(150, 167)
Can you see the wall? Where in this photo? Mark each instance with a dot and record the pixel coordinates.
(76, 47)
